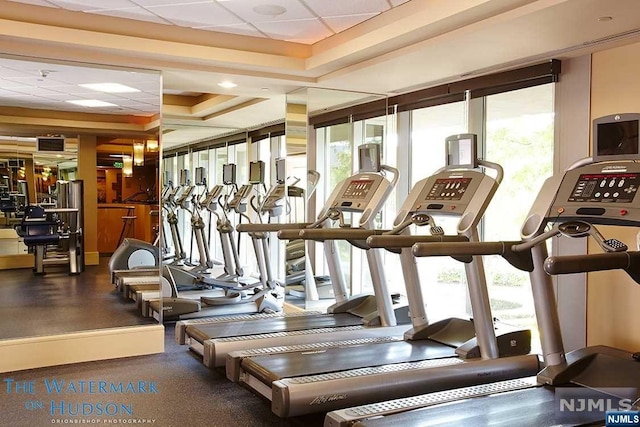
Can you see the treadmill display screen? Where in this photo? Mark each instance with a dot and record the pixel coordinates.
(358, 189)
(448, 189)
(606, 187)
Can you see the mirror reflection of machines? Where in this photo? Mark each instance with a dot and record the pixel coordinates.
(364, 193)
(301, 283)
(429, 356)
(55, 233)
(599, 190)
(232, 294)
(134, 265)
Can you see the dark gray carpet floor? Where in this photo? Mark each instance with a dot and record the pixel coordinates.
(188, 394)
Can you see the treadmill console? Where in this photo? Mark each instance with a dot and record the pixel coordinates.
(448, 192)
(595, 188)
(358, 189)
(603, 193)
(449, 189)
(357, 193)
(459, 192)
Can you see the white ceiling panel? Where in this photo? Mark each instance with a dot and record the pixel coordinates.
(22, 84)
(195, 14)
(266, 11)
(37, 2)
(89, 5)
(137, 13)
(326, 8)
(303, 29)
(341, 23)
(243, 17)
(241, 29)
(146, 3)
(398, 2)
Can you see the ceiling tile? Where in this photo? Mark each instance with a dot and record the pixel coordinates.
(326, 8)
(136, 13)
(242, 29)
(341, 23)
(249, 10)
(36, 2)
(90, 5)
(398, 2)
(146, 3)
(310, 30)
(195, 14)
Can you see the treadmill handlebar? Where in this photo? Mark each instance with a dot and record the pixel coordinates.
(458, 248)
(405, 241)
(256, 228)
(569, 264)
(321, 234)
(512, 252)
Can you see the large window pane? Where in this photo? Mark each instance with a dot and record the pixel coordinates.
(443, 279)
(519, 126)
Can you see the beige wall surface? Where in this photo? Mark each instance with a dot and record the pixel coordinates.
(613, 298)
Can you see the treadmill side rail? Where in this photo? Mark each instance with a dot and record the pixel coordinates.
(346, 417)
(327, 392)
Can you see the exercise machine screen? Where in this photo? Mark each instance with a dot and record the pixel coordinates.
(200, 176)
(462, 150)
(606, 187)
(280, 171)
(616, 137)
(369, 158)
(229, 174)
(256, 172)
(184, 176)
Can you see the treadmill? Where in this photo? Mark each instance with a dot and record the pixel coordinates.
(599, 190)
(364, 193)
(316, 378)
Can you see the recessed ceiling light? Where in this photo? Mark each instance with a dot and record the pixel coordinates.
(91, 103)
(116, 155)
(605, 18)
(110, 87)
(269, 9)
(227, 84)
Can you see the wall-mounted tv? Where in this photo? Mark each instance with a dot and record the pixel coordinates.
(50, 143)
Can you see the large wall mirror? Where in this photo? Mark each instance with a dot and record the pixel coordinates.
(323, 129)
(67, 134)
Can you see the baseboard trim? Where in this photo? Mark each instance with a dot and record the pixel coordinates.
(8, 262)
(92, 258)
(37, 352)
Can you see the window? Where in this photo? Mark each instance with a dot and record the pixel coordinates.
(519, 136)
(443, 279)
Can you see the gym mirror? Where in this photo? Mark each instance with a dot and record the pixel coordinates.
(59, 121)
(324, 128)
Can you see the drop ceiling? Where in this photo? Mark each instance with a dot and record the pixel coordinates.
(302, 21)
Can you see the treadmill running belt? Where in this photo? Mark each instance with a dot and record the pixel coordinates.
(267, 326)
(533, 407)
(289, 365)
